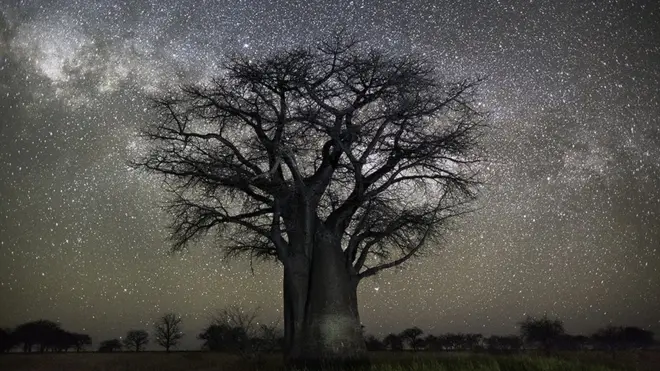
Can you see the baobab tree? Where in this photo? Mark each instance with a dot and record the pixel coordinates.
(336, 160)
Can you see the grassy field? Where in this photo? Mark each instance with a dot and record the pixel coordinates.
(202, 361)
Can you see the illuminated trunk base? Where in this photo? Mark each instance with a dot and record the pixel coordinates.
(322, 324)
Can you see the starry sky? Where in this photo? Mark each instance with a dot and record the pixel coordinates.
(568, 221)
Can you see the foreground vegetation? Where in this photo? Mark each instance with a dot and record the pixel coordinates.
(236, 331)
(235, 341)
(381, 361)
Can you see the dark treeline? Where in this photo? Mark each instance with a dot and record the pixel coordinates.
(542, 333)
(47, 336)
(237, 331)
(42, 336)
(233, 330)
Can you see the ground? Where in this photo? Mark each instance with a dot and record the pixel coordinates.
(385, 361)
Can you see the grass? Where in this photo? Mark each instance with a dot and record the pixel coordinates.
(203, 361)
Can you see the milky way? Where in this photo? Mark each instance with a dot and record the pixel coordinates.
(568, 218)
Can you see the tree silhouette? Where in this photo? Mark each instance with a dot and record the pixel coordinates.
(617, 338)
(637, 338)
(572, 342)
(235, 330)
(223, 338)
(472, 342)
(47, 336)
(168, 331)
(609, 338)
(451, 341)
(374, 344)
(229, 330)
(334, 160)
(7, 340)
(432, 343)
(80, 341)
(543, 332)
(61, 341)
(58, 340)
(393, 342)
(136, 339)
(42, 333)
(413, 337)
(111, 345)
(268, 339)
(509, 343)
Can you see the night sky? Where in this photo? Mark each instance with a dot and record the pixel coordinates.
(569, 219)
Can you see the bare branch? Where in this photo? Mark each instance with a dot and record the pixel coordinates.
(364, 143)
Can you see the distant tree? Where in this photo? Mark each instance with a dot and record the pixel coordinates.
(452, 341)
(111, 345)
(236, 330)
(338, 160)
(136, 339)
(543, 332)
(393, 342)
(47, 336)
(42, 333)
(80, 341)
(61, 341)
(7, 340)
(231, 329)
(221, 338)
(513, 342)
(572, 342)
(638, 338)
(168, 331)
(472, 342)
(609, 338)
(374, 344)
(581, 342)
(432, 343)
(494, 343)
(617, 338)
(412, 336)
(510, 343)
(58, 340)
(269, 338)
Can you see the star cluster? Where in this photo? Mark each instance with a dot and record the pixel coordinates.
(568, 216)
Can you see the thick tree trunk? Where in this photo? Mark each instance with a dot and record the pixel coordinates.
(296, 277)
(322, 324)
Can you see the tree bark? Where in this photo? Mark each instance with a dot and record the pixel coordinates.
(322, 324)
(296, 273)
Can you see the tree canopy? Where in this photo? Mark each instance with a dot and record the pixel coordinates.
(136, 339)
(167, 331)
(378, 146)
(544, 332)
